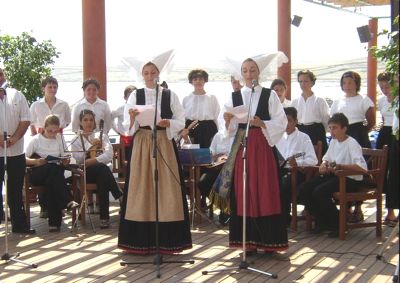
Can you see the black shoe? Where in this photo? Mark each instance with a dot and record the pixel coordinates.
(27, 231)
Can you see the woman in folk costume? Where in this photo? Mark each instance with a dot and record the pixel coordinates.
(265, 225)
(138, 219)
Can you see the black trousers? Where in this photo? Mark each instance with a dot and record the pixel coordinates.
(102, 176)
(316, 195)
(57, 196)
(15, 181)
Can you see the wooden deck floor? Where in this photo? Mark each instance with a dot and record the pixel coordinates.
(87, 256)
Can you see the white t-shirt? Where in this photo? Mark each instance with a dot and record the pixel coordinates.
(346, 152)
(221, 143)
(43, 146)
(385, 107)
(297, 142)
(354, 108)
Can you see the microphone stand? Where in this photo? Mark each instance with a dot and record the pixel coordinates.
(158, 259)
(6, 256)
(244, 264)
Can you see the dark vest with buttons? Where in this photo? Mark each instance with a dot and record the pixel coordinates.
(166, 112)
(262, 108)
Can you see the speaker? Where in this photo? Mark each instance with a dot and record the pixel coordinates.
(296, 20)
(364, 34)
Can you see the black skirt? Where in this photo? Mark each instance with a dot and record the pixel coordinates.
(203, 133)
(360, 133)
(316, 132)
(384, 137)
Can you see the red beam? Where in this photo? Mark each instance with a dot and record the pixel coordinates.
(94, 43)
(372, 65)
(284, 42)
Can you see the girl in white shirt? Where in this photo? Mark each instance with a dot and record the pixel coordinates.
(312, 111)
(202, 107)
(356, 108)
(96, 152)
(43, 147)
(280, 88)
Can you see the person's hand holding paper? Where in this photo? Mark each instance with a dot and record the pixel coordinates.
(239, 112)
(146, 115)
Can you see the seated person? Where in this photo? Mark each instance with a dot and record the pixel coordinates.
(220, 147)
(344, 153)
(50, 175)
(292, 143)
(99, 153)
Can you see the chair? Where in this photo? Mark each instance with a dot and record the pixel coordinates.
(309, 172)
(119, 164)
(118, 167)
(376, 161)
(31, 192)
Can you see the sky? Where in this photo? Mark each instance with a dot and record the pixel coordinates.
(201, 32)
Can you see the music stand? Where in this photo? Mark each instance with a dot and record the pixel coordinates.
(244, 263)
(83, 204)
(195, 157)
(158, 259)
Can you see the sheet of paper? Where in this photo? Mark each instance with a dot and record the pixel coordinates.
(146, 115)
(239, 113)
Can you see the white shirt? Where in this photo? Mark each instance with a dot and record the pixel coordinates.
(313, 110)
(297, 142)
(354, 108)
(201, 107)
(177, 122)
(117, 117)
(100, 108)
(221, 143)
(274, 127)
(347, 152)
(40, 109)
(286, 103)
(13, 110)
(43, 146)
(395, 124)
(386, 109)
(76, 145)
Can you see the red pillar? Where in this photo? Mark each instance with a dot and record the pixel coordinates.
(94, 43)
(372, 65)
(284, 42)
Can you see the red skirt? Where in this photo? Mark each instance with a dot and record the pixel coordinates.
(262, 187)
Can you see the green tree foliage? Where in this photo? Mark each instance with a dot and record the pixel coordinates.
(26, 62)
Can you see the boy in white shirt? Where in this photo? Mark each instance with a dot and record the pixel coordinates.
(344, 153)
(293, 142)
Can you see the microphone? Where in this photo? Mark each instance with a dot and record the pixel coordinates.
(254, 83)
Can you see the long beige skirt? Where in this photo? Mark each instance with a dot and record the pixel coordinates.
(141, 200)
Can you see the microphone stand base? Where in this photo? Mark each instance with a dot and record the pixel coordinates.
(7, 258)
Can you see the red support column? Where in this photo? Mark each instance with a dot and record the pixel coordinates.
(284, 42)
(372, 65)
(94, 43)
